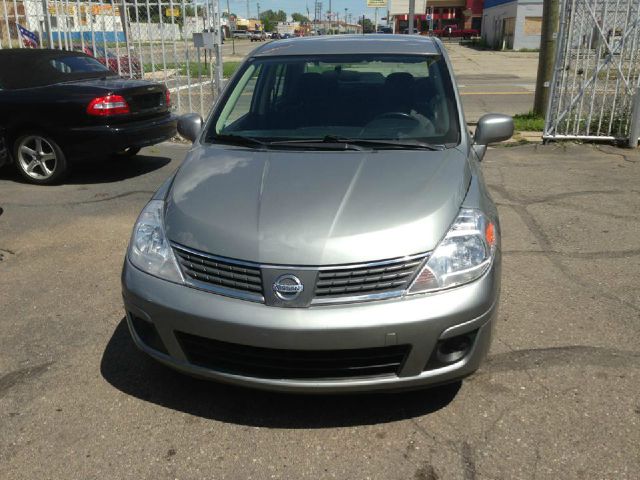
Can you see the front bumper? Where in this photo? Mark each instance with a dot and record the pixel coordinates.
(420, 321)
(103, 140)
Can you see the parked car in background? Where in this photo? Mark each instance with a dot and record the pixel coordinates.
(285, 35)
(4, 154)
(240, 34)
(58, 107)
(385, 30)
(275, 36)
(454, 31)
(123, 64)
(257, 36)
(332, 235)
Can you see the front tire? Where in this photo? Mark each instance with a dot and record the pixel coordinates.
(39, 159)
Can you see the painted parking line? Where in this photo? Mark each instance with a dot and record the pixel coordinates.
(495, 93)
(193, 85)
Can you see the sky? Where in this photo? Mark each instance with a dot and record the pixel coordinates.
(356, 7)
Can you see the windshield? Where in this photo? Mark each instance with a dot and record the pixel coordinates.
(81, 63)
(366, 97)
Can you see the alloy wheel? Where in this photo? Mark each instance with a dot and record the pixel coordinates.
(37, 157)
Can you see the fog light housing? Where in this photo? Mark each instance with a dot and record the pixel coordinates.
(451, 350)
(148, 334)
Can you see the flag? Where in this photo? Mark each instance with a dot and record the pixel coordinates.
(29, 38)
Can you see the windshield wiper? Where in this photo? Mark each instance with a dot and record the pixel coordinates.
(354, 143)
(328, 142)
(398, 144)
(238, 140)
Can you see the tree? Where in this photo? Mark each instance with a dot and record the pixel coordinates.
(270, 19)
(298, 17)
(367, 26)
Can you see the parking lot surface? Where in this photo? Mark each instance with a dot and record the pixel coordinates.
(559, 396)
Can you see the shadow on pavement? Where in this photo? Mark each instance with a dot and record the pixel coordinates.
(100, 171)
(134, 373)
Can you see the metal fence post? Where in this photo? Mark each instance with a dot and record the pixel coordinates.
(218, 46)
(634, 128)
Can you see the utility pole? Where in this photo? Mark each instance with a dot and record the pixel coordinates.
(47, 25)
(233, 39)
(412, 14)
(547, 57)
(330, 19)
(248, 10)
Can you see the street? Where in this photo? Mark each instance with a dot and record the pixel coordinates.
(489, 81)
(557, 398)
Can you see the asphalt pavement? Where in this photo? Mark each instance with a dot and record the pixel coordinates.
(559, 396)
(491, 81)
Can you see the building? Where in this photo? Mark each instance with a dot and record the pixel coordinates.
(13, 12)
(437, 14)
(512, 24)
(248, 24)
(326, 27)
(287, 28)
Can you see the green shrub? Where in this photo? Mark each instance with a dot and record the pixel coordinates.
(528, 122)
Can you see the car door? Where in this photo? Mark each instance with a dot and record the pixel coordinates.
(4, 155)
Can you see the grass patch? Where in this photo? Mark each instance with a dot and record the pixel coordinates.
(228, 68)
(528, 122)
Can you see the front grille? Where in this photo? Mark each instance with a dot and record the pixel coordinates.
(366, 280)
(291, 364)
(218, 272)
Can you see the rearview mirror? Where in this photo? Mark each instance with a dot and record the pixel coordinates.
(492, 128)
(190, 126)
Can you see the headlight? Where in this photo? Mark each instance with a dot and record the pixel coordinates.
(149, 249)
(465, 253)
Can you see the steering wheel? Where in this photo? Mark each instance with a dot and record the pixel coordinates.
(407, 122)
(398, 115)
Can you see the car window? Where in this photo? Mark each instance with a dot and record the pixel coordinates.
(238, 105)
(355, 96)
(70, 64)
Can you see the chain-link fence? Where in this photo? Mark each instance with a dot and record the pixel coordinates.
(172, 41)
(597, 71)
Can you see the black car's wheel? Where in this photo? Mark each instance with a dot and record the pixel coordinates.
(39, 159)
(127, 152)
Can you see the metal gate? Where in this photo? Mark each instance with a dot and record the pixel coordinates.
(597, 71)
(171, 41)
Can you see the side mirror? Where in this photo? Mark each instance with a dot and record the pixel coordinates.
(492, 128)
(190, 126)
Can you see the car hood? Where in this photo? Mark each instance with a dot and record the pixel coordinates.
(315, 207)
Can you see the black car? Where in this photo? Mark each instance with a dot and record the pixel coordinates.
(4, 155)
(58, 107)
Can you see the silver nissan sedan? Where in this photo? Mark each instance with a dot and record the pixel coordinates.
(329, 229)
